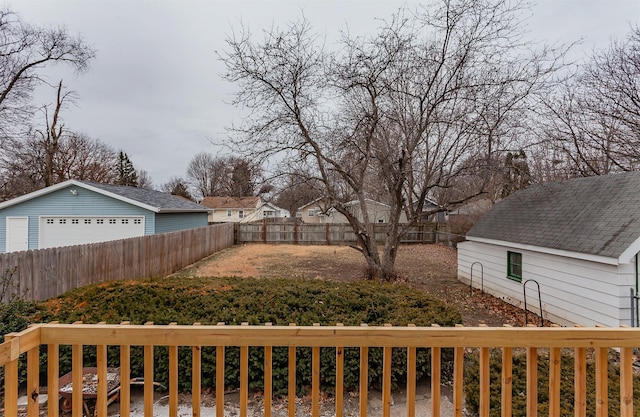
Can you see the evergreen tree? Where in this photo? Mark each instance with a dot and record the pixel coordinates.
(127, 174)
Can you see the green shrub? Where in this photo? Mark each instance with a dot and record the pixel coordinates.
(519, 391)
(15, 316)
(255, 301)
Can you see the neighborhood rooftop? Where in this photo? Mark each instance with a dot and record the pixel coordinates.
(594, 215)
(161, 200)
(230, 202)
(155, 201)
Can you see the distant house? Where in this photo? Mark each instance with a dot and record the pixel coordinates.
(318, 211)
(77, 212)
(241, 209)
(432, 212)
(578, 239)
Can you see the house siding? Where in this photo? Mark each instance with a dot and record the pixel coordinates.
(573, 291)
(63, 203)
(220, 215)
(173, 222)
(378, 213)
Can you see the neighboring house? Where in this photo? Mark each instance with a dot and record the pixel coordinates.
(428, 215)
(578, 239)
(77, 212)
(241, 209)
(317, 211)
(470, 211)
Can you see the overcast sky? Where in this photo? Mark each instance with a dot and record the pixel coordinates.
(155, 89)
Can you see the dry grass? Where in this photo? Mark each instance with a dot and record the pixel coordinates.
(431, 268)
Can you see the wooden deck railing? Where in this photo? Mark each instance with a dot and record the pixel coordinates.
(598, 340)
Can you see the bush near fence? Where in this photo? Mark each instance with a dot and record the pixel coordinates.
(46, 273)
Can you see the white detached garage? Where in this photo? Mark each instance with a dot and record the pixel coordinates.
(77, 212)
(578, 239)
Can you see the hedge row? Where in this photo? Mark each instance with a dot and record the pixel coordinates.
(519, 391)
(256, 301)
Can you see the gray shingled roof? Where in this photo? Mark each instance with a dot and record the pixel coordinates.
(164, 202)
(594, 215)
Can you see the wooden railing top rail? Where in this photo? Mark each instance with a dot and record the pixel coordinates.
(347, 336)
(267, 336)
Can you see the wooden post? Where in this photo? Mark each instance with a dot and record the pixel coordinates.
(458, 378)
(485, 382)
(411, 380)
(626, 382)
(196, 378)
(125, 377)
(364, 378)
(436, 355)
(386, 378)
(268, 378)
(507, 381)
(244, 378)
(292, 379)
(76, 380)
(220, 379)
(580, 382)
(602, 382)
(11, 377)
(33, 383)
(555, 362)
(53, 373)
(339, 379)
(173, 378)
(532, 381)
(315, 379)
(148, 378)
(101, 362)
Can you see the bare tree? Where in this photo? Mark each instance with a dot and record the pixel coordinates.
(593, 121)
(296, 189)
(24, 50)
(223, 176)
(404, 108)
(82, 158)
(177, 186)
(144, 180)
(50, 137)
(77, 157)
(207, 174)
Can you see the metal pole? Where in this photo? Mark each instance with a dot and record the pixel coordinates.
(633, 313)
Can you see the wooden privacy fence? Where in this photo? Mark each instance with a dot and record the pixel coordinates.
(45, 273)
(53, 336)
(329, 233)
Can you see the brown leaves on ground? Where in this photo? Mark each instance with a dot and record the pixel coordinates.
(432, 268)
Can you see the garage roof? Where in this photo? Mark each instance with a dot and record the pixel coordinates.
(594, 215)
(152, 200)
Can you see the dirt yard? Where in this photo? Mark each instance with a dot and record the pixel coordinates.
(432, 268)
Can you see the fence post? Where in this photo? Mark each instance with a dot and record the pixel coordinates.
(264, 231)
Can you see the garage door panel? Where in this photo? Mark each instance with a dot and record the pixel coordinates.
(64, 231)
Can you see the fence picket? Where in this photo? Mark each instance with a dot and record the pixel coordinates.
(333, 234)
(47, 273)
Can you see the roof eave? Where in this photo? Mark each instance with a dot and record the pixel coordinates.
(161, 211)
(630, 253)
(550, 251)
(40, 192)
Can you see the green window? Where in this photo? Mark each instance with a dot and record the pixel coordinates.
(514, 266)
